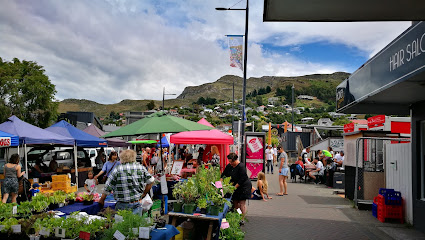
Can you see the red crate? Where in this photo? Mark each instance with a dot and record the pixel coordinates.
(388, 211)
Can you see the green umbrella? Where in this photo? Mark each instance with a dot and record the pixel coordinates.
(158, 122)
(326, 153)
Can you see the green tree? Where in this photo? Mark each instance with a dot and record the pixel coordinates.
(268, 89)
(201, 101)
(259, 100)
(150, 105)
(26, 92)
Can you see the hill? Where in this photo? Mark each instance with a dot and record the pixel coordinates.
(220, 90)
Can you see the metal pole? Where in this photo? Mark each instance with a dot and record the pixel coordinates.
(233, 102)
(293, 107)
(163, 94)
(245, 59)
(26, 160)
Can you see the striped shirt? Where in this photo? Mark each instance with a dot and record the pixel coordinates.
(128, 182)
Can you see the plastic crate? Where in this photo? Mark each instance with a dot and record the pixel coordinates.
(60, 185)
(393, 198)
(71, 189)
(60, 178)
(390, 212)
(383, 191)
(375, 210)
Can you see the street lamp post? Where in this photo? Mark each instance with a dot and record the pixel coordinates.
(244, 73)
(163, 97)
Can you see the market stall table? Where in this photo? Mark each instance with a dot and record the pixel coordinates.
(211, 218)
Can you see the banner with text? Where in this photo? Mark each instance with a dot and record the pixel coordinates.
(236, 46)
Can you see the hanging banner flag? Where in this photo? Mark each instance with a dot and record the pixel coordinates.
(235, 46)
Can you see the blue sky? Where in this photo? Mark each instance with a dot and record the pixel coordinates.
(110, 50)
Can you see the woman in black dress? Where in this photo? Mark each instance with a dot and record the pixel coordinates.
(239, 178)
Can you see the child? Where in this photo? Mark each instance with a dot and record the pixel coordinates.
(261, 190)
(35, 189)
(90, 183)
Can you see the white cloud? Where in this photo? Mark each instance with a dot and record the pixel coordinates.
(112, 50)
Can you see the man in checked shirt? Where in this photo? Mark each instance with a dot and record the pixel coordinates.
(130, 182)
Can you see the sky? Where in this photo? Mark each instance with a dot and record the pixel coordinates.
(111, 50)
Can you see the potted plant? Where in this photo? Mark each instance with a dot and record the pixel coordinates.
(88, 199)
(71, 198)
(25, 209)
(190, 195)
(217, 204)
(177, 194)
(59, 198)
(202, 204)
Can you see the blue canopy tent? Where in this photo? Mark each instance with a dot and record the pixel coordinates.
(32, 135)
(164, 142)
(82, 139)
(8, 140)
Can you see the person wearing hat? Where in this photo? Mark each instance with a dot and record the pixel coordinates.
(35, 189)
(269, 158)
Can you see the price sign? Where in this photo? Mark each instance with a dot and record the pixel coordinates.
(118, 218)
(44, 232)
(16, 228)
(15, 210)
(118, 235)
(144, 232)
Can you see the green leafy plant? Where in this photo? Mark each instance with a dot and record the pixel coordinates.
(8, 222)
(202, 202)
(25, 208)
(59, 197)
(71, 196)
(234, 231)
(130, 221)
(88, 197)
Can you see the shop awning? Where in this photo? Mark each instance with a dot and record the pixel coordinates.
(390, 81)
(343, 11)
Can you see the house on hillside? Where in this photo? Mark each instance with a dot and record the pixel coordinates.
(273, 100)
(325, 122)
(174, 112)
(260, 109)
(305, 97)
(336, 115)
(352, 117)
(307, 119)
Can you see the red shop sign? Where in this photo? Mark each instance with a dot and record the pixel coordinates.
(376, 121)
(349, 127)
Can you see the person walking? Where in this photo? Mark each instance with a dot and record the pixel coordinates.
(130, 182)
(239, 178)
(12, 171)
(275, 160)
(269, 158)
(283, 172)
(108, 166)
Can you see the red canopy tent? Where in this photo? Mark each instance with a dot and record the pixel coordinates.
(208, 137)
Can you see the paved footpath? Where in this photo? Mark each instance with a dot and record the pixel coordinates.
(312, 211)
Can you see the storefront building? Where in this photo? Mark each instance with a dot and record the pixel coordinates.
(393, 83)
